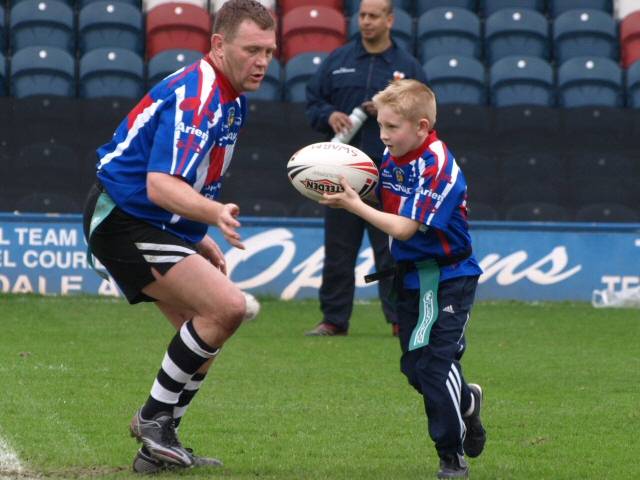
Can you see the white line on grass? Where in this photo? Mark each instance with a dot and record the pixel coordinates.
(9, 462)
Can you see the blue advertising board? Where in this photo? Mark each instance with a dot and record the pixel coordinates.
(283, 258)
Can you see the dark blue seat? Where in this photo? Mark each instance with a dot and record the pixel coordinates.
(42, 23)
(490, 7)
(557, 7)
(457, 79)
(633, 85)
(3, 76)
(110, 24)
(448, 31)
(590, 81)
(423, 6)
(352, 6)
(513, 31)
(401, 31)
(578, 33)
(3, 31)
(607, 212)
(111, 72)
(297, 73)
(520, 80)
(537, 212)
(271, 86)
(167, 62)
(42, 71)
(134, 3)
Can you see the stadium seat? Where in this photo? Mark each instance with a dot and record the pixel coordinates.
(3, 31)
(633, 85)
(3, 76)
(589, 124)
(630, 39)
(537, 212)
(45, 202)
(83, 3)
(590, 81)
(42, 71)
(448, 31)
(42, 23)
(167, 62)
(423, 6)
(513, 31)
(521, 81)
(55, 163)
(457, 79)
(286, 6)
(110, 24)
(352, 6)
(537, 167)
(297, 73)
(521, 123)
(262, 207)
(111, 72)
(310, 209)
(401, 31)
(579, 33)
(604, 164)
(306, 29)
(178, 25)
(532, 191)
(474, 164)
(482, 211)
(465, 124)
(148, 5)
(607, 212)
(271, 86)
(625, 191)
(557, 7)
(490, 7)
(51, 120)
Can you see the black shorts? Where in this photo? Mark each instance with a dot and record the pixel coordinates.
(129, 248)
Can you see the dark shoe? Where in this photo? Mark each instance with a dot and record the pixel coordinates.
(145, 464)
(159, 437)
(453, 466)
(395, 329)
(476, 435)
(325, 329)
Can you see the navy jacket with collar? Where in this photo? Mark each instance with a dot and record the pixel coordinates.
(349, 76)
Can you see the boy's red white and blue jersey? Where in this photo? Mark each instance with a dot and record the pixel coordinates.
(426, 185)
(186, 126)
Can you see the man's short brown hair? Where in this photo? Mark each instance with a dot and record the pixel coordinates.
(234, 12)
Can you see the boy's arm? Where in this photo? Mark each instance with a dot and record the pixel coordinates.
(398, 227)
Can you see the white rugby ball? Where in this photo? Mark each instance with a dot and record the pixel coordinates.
(316, 169)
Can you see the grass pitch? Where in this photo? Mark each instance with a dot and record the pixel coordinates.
(561, 385)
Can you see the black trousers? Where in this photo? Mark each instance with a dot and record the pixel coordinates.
(343, 233)
(435, 370)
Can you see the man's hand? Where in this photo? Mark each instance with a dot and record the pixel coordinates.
(339, 121)
(227, 223)
(211, 251)
(370, 108)
(348, 199)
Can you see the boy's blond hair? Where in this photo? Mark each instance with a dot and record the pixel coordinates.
(410, 99)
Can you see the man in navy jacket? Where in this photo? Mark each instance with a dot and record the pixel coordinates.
(349, 77)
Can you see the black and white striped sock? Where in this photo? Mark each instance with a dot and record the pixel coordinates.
(189, 391)
(186, 353)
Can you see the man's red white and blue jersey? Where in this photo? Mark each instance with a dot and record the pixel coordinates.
(426, 185)
(186, 126)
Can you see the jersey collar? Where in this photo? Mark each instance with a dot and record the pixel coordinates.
(413, 154)
(226, 89)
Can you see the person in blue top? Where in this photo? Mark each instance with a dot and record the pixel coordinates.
(424, 199)
(346, 79)
(146, 218)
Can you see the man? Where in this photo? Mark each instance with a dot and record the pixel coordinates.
(348, 78)
(147, 217)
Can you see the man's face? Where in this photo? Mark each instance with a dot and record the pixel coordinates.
(246, 56)
(374, 20)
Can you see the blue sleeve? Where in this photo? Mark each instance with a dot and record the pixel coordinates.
(318, 91)
(161, 155)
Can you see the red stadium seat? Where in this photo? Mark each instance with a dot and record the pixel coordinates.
(630, 38)
(178, 25)
(311, 28)
(287, 5)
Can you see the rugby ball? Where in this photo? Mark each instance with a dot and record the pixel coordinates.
(316, 169)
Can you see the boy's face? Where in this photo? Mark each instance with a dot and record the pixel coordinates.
(397, 133)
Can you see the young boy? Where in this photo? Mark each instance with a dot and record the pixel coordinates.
(423, 194)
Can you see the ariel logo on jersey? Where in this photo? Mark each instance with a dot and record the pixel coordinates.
(191, 130)
(398, 174)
